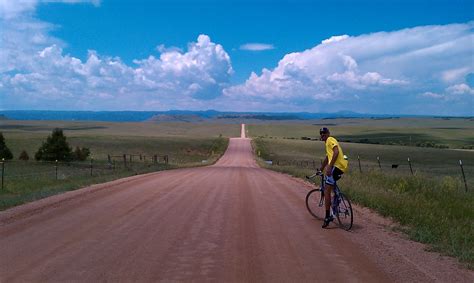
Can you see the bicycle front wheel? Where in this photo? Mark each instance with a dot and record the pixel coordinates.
(344, 214)
(315, 203)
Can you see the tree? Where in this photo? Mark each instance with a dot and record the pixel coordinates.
(81, 154)
(5, 152)
(55, 148)
(24, 156)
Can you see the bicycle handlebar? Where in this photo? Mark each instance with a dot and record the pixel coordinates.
(318, 173)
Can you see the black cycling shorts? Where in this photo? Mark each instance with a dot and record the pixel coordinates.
(336, 175)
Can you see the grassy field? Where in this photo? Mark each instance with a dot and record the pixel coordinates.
(185, 144)
(431, 206)
(445, 132)
(431, 162)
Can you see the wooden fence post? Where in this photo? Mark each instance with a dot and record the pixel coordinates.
(91, 165)
(56, 169)
(378, 160)
(3, 171)
(360, 168)
(409, 164)
(463, 176)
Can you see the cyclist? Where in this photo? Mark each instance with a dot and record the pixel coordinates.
(334, 166)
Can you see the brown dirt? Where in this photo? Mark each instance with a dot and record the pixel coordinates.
(230, 222)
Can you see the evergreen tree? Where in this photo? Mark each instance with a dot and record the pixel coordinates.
(5, 152)
(81, 154)
(55, 148)
(24, 156)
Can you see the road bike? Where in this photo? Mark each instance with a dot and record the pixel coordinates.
(341, 208)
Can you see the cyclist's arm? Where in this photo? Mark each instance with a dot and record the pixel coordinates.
(325, 162)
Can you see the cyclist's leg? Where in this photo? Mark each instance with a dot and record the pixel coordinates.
(330, 183)
(327, 198)
(328, 187)
(336, 175)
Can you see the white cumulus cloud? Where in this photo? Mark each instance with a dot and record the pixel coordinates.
(35, 72)
(383, 71)
(452, 95)
(256, 46)
(432, 94)
(174, 78)
(460, 89)
(335, 38)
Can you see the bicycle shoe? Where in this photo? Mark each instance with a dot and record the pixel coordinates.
(327, 220)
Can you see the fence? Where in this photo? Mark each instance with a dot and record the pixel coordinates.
(458, 169)
(35, 172)
(129, 159)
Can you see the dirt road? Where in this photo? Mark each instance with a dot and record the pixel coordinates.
(230, 222)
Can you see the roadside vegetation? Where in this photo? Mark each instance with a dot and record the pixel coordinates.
(5, 153)
(431, 205)
(25, 179)
(453, 133)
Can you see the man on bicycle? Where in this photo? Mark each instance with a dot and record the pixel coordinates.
(334, 166)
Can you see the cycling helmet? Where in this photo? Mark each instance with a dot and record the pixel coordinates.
(323, 130)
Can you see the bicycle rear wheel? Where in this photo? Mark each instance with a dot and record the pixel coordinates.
(344, 214)
(315, 203)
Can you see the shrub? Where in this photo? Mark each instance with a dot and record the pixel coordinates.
(81, 154)
(5, 152)
(55, 148)
(24, 156)
(425, 144)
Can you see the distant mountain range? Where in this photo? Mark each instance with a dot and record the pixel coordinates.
(177, 116)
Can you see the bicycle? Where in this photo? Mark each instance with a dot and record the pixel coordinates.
(341, 207)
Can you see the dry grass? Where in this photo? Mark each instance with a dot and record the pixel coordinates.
(185, 144)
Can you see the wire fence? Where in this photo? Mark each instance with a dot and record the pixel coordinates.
(459, 170)
(16, 172)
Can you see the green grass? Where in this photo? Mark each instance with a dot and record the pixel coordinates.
(440, 132)
(432, 206)
(438, 213)
(432, 162)
(185, 144)
(34, 181)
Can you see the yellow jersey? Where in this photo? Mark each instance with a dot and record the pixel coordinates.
(340, 163)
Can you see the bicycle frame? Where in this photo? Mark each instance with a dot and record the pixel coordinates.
(341, 207)
(336, 199)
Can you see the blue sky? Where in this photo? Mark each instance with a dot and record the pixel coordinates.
(392, 57)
